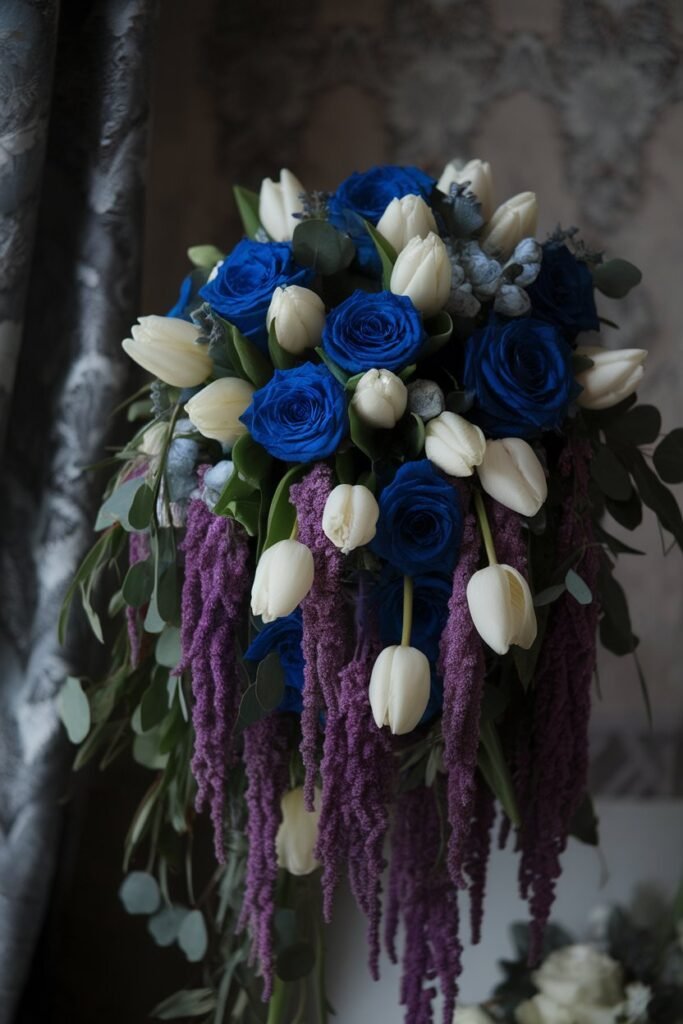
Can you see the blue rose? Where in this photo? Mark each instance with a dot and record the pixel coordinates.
(243, 287)
(366, 196)
(284, 636)
(420, 521)
(520, 373)
(431, 594)
(563, 292)
(188, 296)
(373, 329)
(300, 414)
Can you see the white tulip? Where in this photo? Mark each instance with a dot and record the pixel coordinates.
(478, 174)
(454, 444)
(540, 1010)
(167, 347)
(514, 220)
(153, 440)
(278, 202)
(299, 316)
(399, 688)
(423, 273)
(380, 398)
(406, 218)
(215, 410)
(471, 1015)
(298, 833)
(579, 974)
(501, 607)
(513, 475)
(283, 577)
(350, 516)
(614, 375)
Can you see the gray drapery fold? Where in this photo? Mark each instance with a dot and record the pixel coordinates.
(73, 118)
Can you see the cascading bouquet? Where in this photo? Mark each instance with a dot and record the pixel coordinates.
(372, 424)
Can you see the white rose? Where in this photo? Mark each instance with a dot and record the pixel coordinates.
(580, 974)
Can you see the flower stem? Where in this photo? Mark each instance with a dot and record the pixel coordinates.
(276, 1004)
(484, 528)
(407, 610)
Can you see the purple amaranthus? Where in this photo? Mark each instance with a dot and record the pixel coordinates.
(138, 551)
(215, 589)
(559, 738)
(422, 895)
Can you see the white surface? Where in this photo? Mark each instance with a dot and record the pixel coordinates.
(641, 845)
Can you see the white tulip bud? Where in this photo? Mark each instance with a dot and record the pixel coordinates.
(614, 375)
(350, 516)
(471, 1015)
(299, 316)
(215, 410)
(153, 440)
(512, 474)
(501, 607)
(283, 577)
(380, 398)
(167, 347)
(278, 202)
(454, 444)
(514, 220)
(478, 174)
(399, 688)
(406, 218)
(423, 273)
(298, 833)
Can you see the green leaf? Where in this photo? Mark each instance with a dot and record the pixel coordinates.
(282, 514)
(206, 256)
(192, 936)
(369, 441)
(188, 1002)
(657, 497)
(247, 512)
(141, 508)
(167, 650)
(116, 507)
(615, 278)
(629, 513)
(584, 824)
(146, 751)
(639, 426)
(246, 357)
(578, 588)
(385, 251)
(168, 594)
(154, 703)
(495, 770)
(668, 457)
(74, 710)
(270, 682)
(252, 462)
(279, 357)
(102, 550)
(235, 489)
(341, 375)
(139, 893)
(412, 436)
(610, 474)
(164, 926)
(616, 546)
(615, 625)
(439, 329)
(319, 245)
(153, 621)
(295, 962)
(549, 595)
(247, 205)
(138, 584)
(250, 709)
(407, 372)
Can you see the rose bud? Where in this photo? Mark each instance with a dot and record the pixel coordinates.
(350, 516)
(298, 833)
(380, 398)
(478, 174)
(423, 273)
(454, 444)
(278, 202)
(168, 348)
(614, 375)
(514, 220)
(512, 474)
(399, 688)
(299, 316)
(501, 607)
(406, 218)
(215, 410)
(283, 577)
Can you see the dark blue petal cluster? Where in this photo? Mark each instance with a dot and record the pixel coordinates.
(374, 330)
(563, 292)
(284, 636)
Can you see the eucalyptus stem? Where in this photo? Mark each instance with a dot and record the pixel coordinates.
(407, 610)
(484, 528)
(276, 1004)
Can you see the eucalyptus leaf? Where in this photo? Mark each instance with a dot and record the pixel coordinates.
(641, 425)
(168, 594)
(610, 474)
(140, 821)
(74, 709)
(154, 703)
(629, 513)
(319, 245)
(188, 1002)
(584, 824)
(206, 256)
(578, 588)
(192, 936)
(153, 621)
(616, 633)
(295, 962)
(616, 546)
(167, 650)
(668, 457)
(139, 893)
(116, 507)
(549, 595)
(247, 205)
(141, 508)
(146, 750)
(165, 925)
(657, 497)
(615, 278)
(138, 584)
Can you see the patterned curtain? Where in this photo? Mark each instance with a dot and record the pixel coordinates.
(73, 117)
